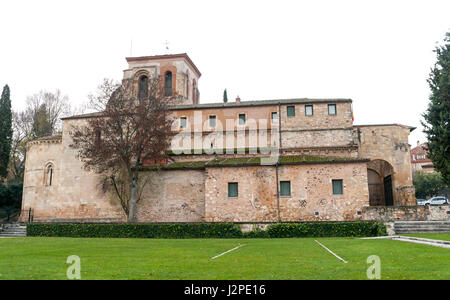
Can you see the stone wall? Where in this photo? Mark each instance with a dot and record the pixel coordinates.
(311, 193)
(407, 213)
(389, 143)
(320, 118)
(173, 196)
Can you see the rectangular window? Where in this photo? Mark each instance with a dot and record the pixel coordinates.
(241, 119)
(212, 121)
(285, 188)
(290, 111)
(337, 187)
(331, 109)
(274, 117)
(309, 110)
(232, 189)
(183, 122)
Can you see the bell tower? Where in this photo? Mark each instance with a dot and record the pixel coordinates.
(178, 73)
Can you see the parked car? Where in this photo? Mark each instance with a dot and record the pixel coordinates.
(421, 201)
(437, 201)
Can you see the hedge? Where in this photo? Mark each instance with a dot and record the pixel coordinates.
(163, 230)
(326, 229)
(206, 230)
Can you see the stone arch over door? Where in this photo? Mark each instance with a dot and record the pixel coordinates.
(380, 175)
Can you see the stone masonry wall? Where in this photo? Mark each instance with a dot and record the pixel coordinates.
(406, 213)
(311, 192)
(74, 193)
(173, 196)
(390, 143)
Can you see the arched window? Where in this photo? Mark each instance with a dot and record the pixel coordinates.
(48, 175)
(168, 84)
(143, 87)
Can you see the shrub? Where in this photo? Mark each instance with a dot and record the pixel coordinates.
(205, 230)
(163, 230)
(11, 195)
(326, 229)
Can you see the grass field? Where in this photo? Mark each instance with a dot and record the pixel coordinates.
(300, 258)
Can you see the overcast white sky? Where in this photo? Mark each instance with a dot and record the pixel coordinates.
(377, 53)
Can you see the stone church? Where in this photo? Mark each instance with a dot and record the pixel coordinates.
(242, 161)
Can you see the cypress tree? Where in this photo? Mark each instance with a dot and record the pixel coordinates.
(225, 97)
(5, 130)
(41, 123)
(437, 116)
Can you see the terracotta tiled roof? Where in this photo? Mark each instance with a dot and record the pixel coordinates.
(419, 150)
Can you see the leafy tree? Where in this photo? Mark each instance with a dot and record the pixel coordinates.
(128, 131)
(437, 116)
(428, 184)
(225, 96)
(5, 130)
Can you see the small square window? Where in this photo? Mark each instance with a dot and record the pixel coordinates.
(274, 117)
(183, 122)
(285, 188)
(241, 119)
(212, 121)
(309, 110)
(337, 187)
(290, 111)
(332, 109)
(233, 189)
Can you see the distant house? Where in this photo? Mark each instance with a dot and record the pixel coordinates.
(419, 159)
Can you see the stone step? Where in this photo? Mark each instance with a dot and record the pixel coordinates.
(424, 227)
(12, 235)
(422, 223)
(13, 230)
(421, 231)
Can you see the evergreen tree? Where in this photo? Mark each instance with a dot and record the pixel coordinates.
(437, 116)
(41, 123)
(225, 97)
(5, 130)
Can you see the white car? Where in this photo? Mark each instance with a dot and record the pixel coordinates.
(437, 201)
(421, 201)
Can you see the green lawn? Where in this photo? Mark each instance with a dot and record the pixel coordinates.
(434, 236)
(300, 258)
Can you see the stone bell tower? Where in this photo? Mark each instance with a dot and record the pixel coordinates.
(179, 75)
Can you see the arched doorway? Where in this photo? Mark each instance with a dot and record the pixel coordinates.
(380, 174)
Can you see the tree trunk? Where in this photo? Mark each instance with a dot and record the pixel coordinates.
(133, 201)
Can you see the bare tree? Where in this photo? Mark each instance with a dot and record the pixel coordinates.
(55, 106)
(22, 133)
(132, 127)
(41, 117)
